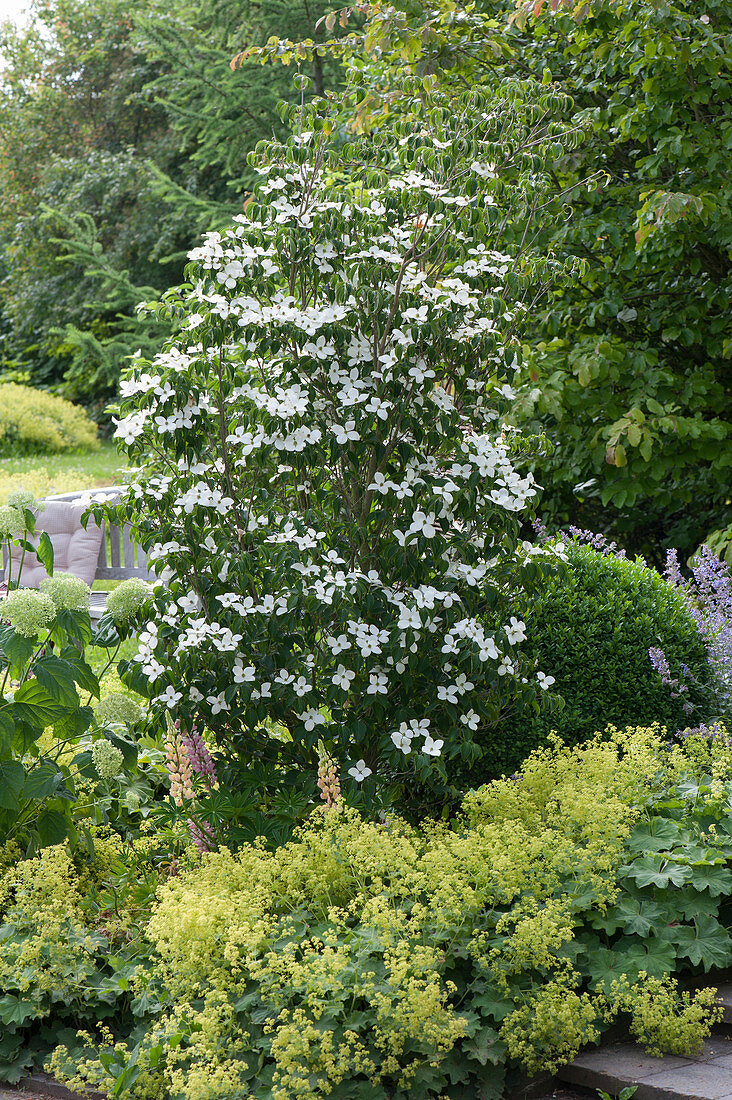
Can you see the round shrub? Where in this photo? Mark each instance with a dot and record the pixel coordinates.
(34, 422)
(591, 624)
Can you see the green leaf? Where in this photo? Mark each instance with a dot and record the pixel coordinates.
(42, 781)
(657, 835)
(52, 827)
(34, 705)
(687, 903)
(44, 551)
(657, 871)
(637, 916)
(82, 673)
(74, 724)
(12, 777)
(17, 648)
(717, 880)
(77, 624)
(106, 633)
(485, 1046)
(705, 943)
(13, 1010)
(492, 1004)
(7, 728)
(56, 676)
(606, 964)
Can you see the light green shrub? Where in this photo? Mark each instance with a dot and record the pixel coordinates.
(34, 422)
(366, 960)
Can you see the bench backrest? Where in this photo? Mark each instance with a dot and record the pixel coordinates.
(119, 556)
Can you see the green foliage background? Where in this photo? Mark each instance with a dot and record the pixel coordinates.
(125, 135)
(627, 371)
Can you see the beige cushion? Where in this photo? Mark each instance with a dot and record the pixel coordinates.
(75, 550)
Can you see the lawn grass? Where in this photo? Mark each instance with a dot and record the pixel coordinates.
(59, 473)
(46, 474)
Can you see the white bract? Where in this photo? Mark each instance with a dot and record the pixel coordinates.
(329, 498)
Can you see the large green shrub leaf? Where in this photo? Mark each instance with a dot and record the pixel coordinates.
(12, 777)
(657, 871)
(17, 648)
(57, 677)
(52, 827)
(7, 728)
(44, 551)
(81, 672)
(34, 705)
(44, 781)
(704, 943)
(15, 1011)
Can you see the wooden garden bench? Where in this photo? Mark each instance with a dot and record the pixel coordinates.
(119, 556)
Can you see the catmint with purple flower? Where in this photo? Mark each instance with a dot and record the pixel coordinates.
(708, 595)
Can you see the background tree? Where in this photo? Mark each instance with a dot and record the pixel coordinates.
(628, 370)
(125, 135)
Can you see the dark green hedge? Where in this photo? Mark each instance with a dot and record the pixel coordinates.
(590, 626)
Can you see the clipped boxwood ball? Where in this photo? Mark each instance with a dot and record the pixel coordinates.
(590, 625)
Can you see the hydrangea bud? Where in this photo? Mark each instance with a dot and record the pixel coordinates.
(12, 522)
(125, 601)
(23, 499)
(132, 801)
(28, 612)
(68, 592)
(108, 760)
(118, 708)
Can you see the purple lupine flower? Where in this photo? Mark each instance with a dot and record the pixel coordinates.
(193, 752)
(199, 756)
(202, 835)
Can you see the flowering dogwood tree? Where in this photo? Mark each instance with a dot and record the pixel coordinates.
(325, 490)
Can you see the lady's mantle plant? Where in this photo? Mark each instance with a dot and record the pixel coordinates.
(328, 496)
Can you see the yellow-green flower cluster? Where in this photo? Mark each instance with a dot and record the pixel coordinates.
(108, 760)
(662, 1019)
(28, 612)
(69, 593)
(45, 948)
(12, 522)
(124, 602)
(118, 708)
